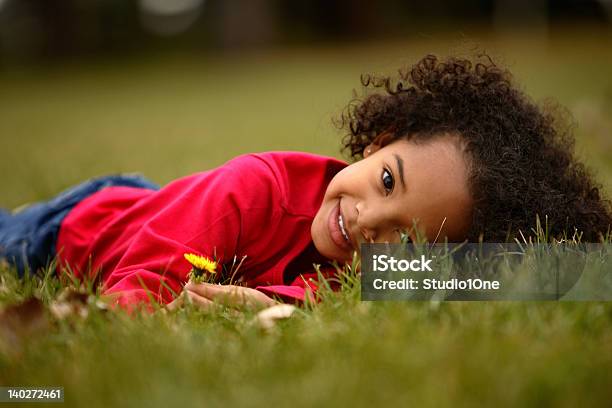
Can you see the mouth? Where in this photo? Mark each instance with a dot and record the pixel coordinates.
(338, 230)
(342, 229)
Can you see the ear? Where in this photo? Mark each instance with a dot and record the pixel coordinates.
(371, 148)
(379, 141)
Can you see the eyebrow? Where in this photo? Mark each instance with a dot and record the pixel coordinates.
(400, 167)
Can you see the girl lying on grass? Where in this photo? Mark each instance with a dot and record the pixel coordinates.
(451, 145)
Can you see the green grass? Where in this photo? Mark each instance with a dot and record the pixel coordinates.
(168, 116)
(339, 351)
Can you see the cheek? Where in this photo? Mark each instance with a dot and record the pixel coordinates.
(434, 223)
(344, 181)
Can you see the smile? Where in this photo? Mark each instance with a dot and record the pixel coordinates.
(338, 230)
(341, 224)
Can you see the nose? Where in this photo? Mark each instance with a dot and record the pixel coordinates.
(366, 232)
(372, 225)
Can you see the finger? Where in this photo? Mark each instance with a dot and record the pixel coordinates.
(200, 301)
(232, 294)
(250, 296)
(187, 296)
(175, 304)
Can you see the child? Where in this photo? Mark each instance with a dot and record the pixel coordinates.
(452, 146)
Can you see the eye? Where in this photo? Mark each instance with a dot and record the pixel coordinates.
(388, 181)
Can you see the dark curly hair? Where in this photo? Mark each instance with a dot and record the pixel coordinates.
(522, 166)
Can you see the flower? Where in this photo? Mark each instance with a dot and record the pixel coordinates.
(201, 263)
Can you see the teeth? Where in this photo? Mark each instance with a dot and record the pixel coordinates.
(341, 223)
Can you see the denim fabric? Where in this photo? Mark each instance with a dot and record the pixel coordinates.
(29, 236)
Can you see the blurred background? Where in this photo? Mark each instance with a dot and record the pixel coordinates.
(167, 88)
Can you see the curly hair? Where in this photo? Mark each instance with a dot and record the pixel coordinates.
(521, 162)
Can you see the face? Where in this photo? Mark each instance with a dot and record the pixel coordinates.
(377, 198)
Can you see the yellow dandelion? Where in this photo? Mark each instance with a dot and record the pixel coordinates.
(201, 263)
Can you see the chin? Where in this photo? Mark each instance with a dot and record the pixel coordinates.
(323, 249)
(338, 257)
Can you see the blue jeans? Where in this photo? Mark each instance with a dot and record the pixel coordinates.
(29, 236)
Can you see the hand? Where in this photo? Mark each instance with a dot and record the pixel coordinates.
(207, 295)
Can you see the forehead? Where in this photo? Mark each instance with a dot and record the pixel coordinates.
(436, 176)
(431, 159)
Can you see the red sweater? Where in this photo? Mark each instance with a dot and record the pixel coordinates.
(258, 205)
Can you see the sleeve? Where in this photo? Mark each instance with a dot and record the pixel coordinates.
(206, 214)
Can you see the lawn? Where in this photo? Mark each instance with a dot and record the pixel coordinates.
(173, 114)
